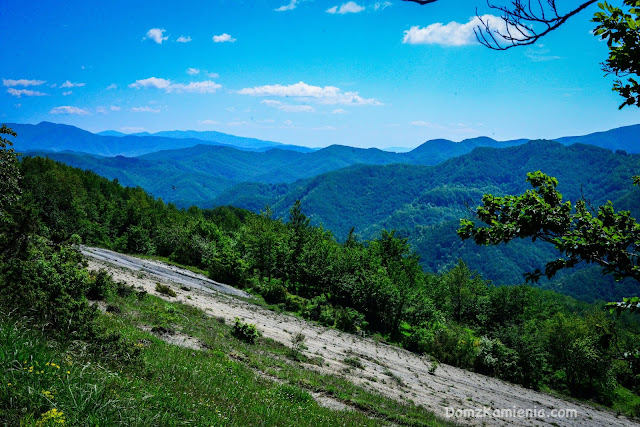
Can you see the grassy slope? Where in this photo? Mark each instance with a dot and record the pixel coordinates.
(226, 384)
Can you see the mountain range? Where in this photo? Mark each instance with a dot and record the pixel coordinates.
(421, 193)
(425, 204)
(194, 171)
(46, 136)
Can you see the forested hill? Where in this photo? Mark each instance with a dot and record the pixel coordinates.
(190, 171)
(425, 203)
(372, 197)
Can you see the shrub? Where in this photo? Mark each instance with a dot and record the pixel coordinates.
(273, 291)
(123, 290)
(349, 320)
(294, 302)
(354, 361)
(246, 332)
(419, 339)
(50, 287)
(319, 308)
(165, 290)
(101, 286)
(297, 345)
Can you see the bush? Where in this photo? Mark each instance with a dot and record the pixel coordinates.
(49, 286)
(165, 290)
(349, 320)
(273, 291)
(246, 332)
(101, 286)
(316, 306)
(294, 303)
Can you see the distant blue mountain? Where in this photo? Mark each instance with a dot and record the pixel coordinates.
(46, 136)
(217, 137)
(626, 138)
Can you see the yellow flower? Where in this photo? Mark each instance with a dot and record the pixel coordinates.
(47, 394)
(8, 384)
(53, 415)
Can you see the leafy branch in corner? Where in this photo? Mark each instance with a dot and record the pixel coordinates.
(608, 238)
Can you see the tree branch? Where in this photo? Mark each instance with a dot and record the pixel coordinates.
(519, 20)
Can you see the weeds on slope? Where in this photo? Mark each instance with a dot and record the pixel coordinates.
(45, 382)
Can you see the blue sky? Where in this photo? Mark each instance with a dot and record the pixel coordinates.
(314, 73)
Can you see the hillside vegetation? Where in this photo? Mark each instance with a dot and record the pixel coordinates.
(524, 335)
(425, 204)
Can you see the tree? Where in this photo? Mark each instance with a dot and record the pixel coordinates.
(605, 237)
(524, 22)
(9, 173)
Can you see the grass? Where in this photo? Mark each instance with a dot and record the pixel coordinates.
(165, 290)
(226, 383)
(624, 401)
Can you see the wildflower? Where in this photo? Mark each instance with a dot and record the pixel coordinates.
(57, 417)
(8, 384)
(47, 394)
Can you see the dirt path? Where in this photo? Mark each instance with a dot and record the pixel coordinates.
(389, 370)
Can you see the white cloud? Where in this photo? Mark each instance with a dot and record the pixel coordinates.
(288, 122)
(288, 107)
(67, 109)
(206, 86)
(303, 91)
(26, 92)
(112, 86)
(145, 110)
(422, 123)
(68, 84)
(213, 75)
(22, 82)
(538, 53)
(67, 93)
(231, 109)
(101, 110)
(152, 82)
(237, 123)
(271, 102)
(348, 7)
(223, 38)
(455, 33)
(292, 5)
(156, 34)
(193, 71)
(339, 111)
(115, 108)
(183, 39)
(381, 5)
(265, 121)
(208, 122)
